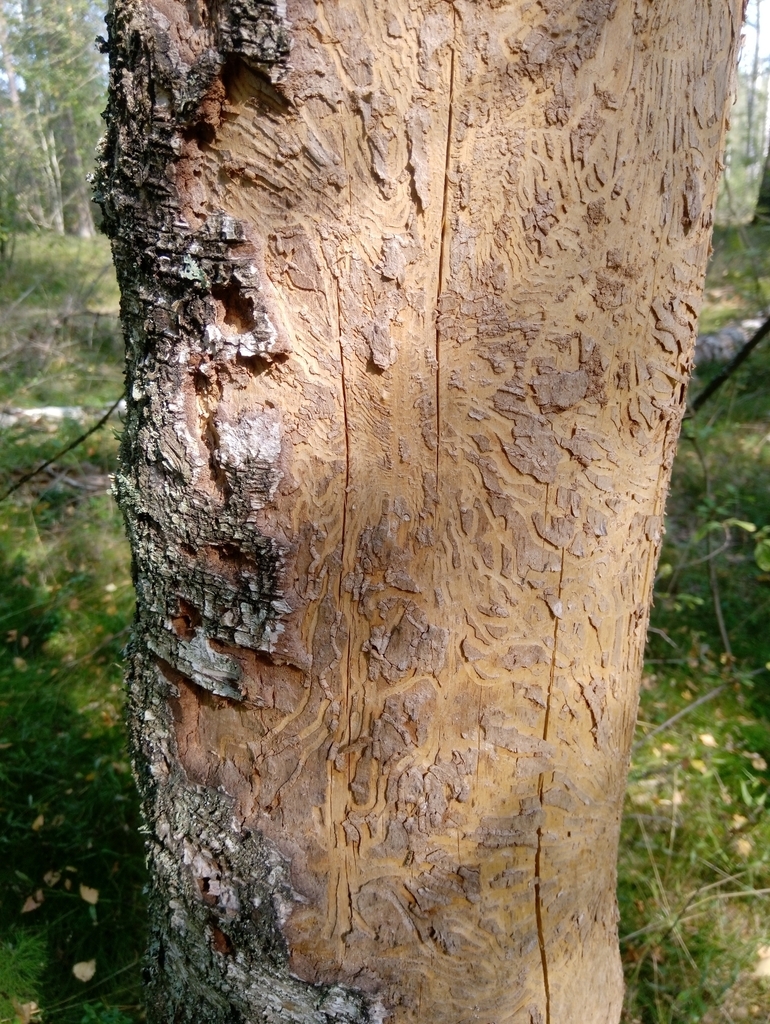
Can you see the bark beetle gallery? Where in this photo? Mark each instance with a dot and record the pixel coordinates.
(409, 297)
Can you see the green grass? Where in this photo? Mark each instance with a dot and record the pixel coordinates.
(59, 339)
(22, 965)
(59, 271)
(68, 810)
(695, 854)
(695, 859)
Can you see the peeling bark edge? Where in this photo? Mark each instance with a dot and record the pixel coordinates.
(218, 891)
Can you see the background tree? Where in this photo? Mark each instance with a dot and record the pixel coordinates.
(409, 323)
(746, 150)
(49, 113)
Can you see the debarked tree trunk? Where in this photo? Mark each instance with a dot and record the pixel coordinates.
(410, 291)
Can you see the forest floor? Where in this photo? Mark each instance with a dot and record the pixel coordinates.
(694, 872)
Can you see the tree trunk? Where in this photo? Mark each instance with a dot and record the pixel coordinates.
(81, 221)
(52, 217)
(8, 68)
(762, 209)
(410, 292)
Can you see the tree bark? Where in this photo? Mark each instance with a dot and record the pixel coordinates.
(410, 293)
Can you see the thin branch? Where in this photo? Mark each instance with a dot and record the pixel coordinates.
(105, 643)
(666, 661)
(74, 444)
(731, 367)
(637, 816)
(22, 297)
(681, 919)
(679, 715)
(688, 905)
(710, 556)
(672, 829)
(664, 634)
(714, 585)
(660, 769)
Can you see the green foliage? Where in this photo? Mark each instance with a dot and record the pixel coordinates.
(762, 555)
(103, 1015)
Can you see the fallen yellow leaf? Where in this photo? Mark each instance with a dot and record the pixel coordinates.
(762, 970)
(26, 1012)
(85, 970)
(38, 823)
(89, 895)
(33, 902)
(743, 846)
(707, 739)
(699, 765)
(51, 877)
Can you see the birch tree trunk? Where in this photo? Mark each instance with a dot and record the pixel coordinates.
(79, 198)
(8, 68)
(410, 292)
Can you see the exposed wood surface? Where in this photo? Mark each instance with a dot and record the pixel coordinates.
(410, 292)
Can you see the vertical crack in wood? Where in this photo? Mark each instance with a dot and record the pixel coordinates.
(540, 935)
(348, 659)
(443, 246)
(343, 539)
(541, 782)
